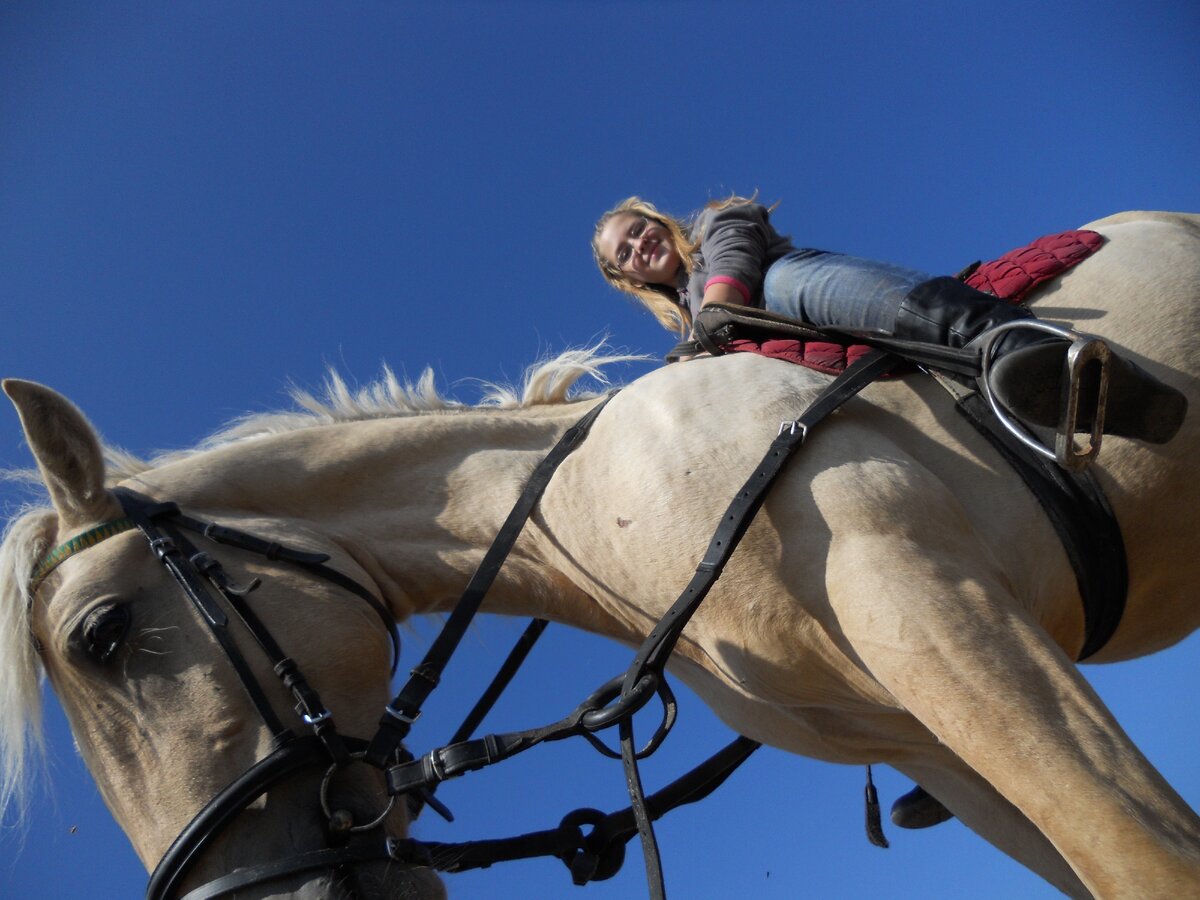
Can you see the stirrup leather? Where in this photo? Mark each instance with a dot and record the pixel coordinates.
(1084, 350)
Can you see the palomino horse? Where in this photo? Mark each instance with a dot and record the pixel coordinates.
(896, 599)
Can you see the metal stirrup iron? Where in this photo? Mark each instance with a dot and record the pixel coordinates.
(1084, 349)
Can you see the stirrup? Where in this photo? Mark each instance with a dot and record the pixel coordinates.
(1084, 349)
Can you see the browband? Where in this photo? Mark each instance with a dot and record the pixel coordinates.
(77, 544)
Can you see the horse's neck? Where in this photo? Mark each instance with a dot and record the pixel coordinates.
(416, 501)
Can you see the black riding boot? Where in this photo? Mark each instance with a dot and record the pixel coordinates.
(1029, 365)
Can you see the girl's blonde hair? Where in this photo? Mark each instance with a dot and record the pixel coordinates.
(662, 300)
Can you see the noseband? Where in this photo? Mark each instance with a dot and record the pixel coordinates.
(595, 855)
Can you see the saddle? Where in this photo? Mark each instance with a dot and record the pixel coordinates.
(1012, 277)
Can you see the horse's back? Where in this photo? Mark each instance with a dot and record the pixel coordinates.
(1141, 291)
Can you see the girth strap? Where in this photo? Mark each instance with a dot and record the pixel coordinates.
(1081, 515)
(1072, 500)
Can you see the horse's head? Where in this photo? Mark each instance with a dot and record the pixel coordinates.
(167, 718)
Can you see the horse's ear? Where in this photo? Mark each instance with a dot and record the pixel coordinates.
(67, 451)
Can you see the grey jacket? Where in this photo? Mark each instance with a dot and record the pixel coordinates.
(737, 243)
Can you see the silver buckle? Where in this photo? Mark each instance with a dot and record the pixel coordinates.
(435, 764)
(320, 717)
(791, 427)
(396, 714)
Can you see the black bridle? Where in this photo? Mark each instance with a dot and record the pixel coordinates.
(200, 576)
(595, 855)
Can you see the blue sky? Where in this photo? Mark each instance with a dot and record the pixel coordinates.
(200, 202)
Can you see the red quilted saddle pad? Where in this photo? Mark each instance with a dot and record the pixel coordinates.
(1015, 274)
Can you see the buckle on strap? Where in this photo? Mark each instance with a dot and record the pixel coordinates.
(792, 426)
(444, 763)
(403, 717)
(1084, 349)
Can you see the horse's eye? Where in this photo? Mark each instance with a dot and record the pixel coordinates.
(103, 631)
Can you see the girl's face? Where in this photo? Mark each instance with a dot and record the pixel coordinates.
(641, 248)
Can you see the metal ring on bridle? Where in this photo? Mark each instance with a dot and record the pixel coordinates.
(328, 811)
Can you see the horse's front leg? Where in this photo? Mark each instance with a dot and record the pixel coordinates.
(978, 806)
(925, 611)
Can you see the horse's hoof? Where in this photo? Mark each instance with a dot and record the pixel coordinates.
(919, 809)
(1028, 382)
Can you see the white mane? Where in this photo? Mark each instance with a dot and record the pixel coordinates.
(544, 382)
(29, 534)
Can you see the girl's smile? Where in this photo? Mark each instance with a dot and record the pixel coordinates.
(641, 248)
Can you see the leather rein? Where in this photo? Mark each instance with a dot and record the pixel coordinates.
(595, 855)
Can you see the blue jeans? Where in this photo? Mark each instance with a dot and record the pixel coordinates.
(832, 290)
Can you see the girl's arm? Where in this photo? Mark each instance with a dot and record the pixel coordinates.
(721, 292)
(735, 243)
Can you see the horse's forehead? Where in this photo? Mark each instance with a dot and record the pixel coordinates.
(112, 568)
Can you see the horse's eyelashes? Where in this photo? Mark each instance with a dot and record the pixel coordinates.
(104, 630)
